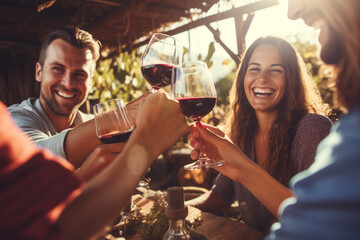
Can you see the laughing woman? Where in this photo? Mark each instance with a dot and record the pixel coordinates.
(275, 125)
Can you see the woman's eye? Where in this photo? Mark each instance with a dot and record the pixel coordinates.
(254, 69)
(277, 70)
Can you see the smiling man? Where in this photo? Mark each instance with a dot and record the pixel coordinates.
(326, 202)
(65, 70)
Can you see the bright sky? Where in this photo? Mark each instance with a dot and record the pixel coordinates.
(269, 21)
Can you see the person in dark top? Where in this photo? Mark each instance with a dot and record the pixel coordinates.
(275, 125)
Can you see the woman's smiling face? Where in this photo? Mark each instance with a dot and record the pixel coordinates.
(265, 78)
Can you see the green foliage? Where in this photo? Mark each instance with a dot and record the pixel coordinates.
(119, 77)
(223, 87)
(209, 55)
(155, 224)
(308, 52)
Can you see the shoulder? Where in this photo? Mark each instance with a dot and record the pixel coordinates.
(312, 129)
(345, 137)
(350, 121)
(312, 120)
(25, 106)
(342, 145)
(24, 110)
(313, 124)
(29, 115)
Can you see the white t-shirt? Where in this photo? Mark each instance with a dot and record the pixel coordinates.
(31, 118)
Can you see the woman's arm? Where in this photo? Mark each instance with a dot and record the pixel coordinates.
(238, 167)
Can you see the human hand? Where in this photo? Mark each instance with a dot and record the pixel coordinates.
(198, 143)
(161, 121)
(98, 160)
(218, 147)
(132, 107)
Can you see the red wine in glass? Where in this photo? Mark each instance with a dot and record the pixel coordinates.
(192, 86)
(113, 124)
(161, 54)
(197, 107)
(157, 75)
(115, 137)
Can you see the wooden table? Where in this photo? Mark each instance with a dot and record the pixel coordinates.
(213, 227)
(219, 228)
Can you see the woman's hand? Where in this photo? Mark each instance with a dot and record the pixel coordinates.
(197, 142)
(218, 147)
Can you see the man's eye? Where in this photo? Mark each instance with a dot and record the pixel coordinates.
(58, 69)
(81, 75)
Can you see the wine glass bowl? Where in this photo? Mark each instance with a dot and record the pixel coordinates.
(193, 87)
(112, 122)
(161, 55)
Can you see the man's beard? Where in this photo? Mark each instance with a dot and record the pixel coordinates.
(332, 51)
(54, 106)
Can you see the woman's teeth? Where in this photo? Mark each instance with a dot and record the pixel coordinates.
(263, 91)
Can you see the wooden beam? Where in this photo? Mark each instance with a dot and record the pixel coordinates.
(115, 4)
(247, 9)
(226, 48)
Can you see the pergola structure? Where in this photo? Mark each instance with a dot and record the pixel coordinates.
(118, 24)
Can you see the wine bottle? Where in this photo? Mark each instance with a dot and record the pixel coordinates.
(176, 212)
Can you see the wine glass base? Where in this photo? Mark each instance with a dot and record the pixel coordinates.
(203, 163)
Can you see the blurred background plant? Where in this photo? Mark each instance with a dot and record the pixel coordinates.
(119, 77)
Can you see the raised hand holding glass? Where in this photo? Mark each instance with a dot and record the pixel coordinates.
(193, 87)
(113, 124)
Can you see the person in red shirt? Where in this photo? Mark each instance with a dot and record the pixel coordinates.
(42, 198)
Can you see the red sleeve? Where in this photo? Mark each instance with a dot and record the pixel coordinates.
(35, 185)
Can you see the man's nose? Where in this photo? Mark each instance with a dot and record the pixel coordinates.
(295, 8)
(67, 81)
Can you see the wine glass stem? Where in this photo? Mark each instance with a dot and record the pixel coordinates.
(202, 154)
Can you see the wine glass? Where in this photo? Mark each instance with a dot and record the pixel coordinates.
(161, 55)
(113, 124)
(193, 87)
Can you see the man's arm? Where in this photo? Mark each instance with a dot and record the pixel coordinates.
(82, 140)
(73, 144)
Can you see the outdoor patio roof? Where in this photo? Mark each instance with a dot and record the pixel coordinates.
(114, 22)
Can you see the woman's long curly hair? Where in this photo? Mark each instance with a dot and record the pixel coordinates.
(300, 97)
